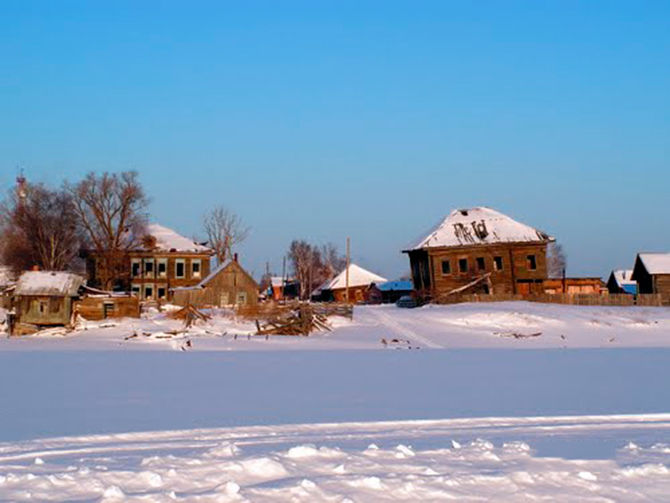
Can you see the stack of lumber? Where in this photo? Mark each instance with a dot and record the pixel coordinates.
(190, 315)
(299, 321)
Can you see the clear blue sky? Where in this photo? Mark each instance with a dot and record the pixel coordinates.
(319, 120)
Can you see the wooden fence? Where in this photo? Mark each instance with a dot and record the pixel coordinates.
(580, 299)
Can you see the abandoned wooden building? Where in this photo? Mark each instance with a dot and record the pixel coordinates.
(479, 250)
(620, 281)
(227, 285)
(652, 273)
(360, 281)
(165, 260)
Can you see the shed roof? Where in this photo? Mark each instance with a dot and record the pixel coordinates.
(478, 226)
(623, 277)
(169, 240)
(655, 263)
(394, 286)
(357, 277)
(51, 283)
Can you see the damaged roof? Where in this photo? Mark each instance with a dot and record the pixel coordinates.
(170, 241)
(479, 226)
(56, 284)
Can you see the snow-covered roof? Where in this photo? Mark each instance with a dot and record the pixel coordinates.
(623, 277)
(357, 277)
(169, 240)
(60, 284)
(655, 263)
(478, 226)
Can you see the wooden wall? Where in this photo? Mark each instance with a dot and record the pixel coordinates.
(55, 310)
(101, 307)
(515, 277)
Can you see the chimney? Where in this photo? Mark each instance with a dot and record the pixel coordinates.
(235, 257)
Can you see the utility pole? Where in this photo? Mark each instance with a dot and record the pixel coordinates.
(346, 295)
(283, 277)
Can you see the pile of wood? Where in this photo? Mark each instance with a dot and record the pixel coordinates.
(190, 315)
(303, 320)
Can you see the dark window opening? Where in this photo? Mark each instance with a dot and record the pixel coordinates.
(498, 263)
(196, 268)
(463, 265)
(481, 264)
(161, 293)
(446, 267)
(179, 269)
(136, 269)
(149, 267)
(531, 262)
(162, 267)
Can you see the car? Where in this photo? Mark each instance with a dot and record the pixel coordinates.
(406, 301)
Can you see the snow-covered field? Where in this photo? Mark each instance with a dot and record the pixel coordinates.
(442, 410)
(485, 325)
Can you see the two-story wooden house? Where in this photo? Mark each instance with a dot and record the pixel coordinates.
(165, 260)
(479, 250)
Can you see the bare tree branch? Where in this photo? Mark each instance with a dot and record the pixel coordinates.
(225, 231)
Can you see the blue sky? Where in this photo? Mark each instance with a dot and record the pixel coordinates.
(319, 120)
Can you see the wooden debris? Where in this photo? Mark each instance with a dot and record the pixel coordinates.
(190, 315)
(517, 335)
(302, 320)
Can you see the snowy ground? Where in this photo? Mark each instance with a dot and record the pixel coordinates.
(484, 325)
(583, 413)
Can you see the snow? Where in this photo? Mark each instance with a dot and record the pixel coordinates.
(357, 277)
(623, 277)
(48, 283)
(656, 263)
(479, 225)
(452, 405)
(169, 240)
(410, 461)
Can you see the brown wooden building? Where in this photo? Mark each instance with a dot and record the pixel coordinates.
(165, 261)
(479, 250)
(228, 285)
(360, 281)
(652, 273)
(574, 286)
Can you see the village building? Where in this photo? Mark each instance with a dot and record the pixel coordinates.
(282, 288)
(575, 286)
(42, 299)
(164, 261)
(479, 250)
(360, 281)
(227, 285)
(620, 281)
(391, 291)
(652, 273)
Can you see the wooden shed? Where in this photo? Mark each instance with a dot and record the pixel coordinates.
(652, 273)
(228, 285)
(44, 299)
(479, 250)
(574, 286)
(99, 305)
(620, 281)
(360, 281)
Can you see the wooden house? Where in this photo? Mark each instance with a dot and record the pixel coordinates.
(227, 285)
(479, 250)
(164, 261)
(360, 281)
(652, 273)
(620, 281)
(42, 299)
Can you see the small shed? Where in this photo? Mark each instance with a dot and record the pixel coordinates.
(44, 299)
(95, 304)
(229, 284)
(652, 273)
(360, 281)
(620, 281)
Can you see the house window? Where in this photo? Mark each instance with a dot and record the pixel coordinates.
(180, 268)
(446, 267)
(498, 263)
(224, 299)
(135, 290)
(43, 306)
(161, 266)
(149, 267)
(481, 264)
(463, 265)
(135, 267)
(148, 291)
(195, 268)
(531, 262)
(161, 292)
(242, 297)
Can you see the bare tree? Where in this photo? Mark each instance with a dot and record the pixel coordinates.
(39, 229)
(110, 209)
(313, 265)
(556, 260)
(332, 262)
(225, 230)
